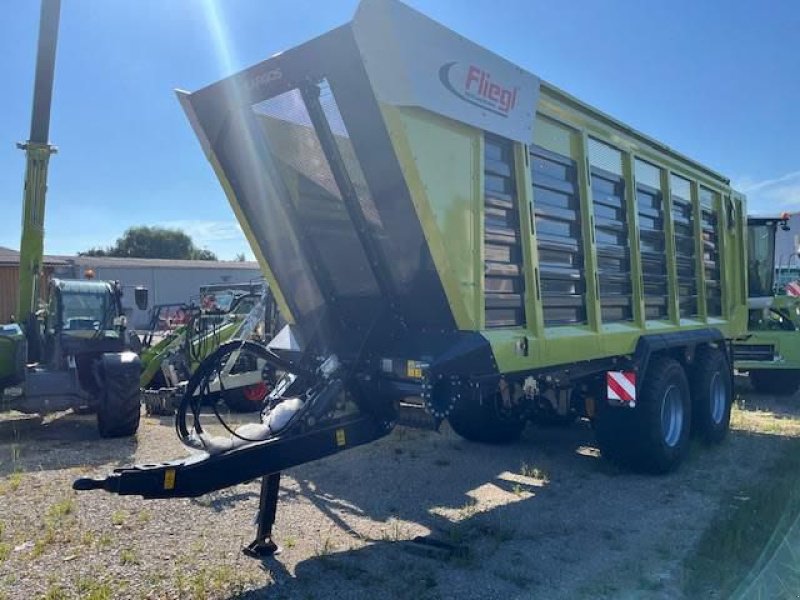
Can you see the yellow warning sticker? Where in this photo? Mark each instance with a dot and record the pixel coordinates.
(169, 479)
(340, 438)
(413, 369)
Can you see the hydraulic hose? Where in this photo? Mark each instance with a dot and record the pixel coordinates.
(200, 382)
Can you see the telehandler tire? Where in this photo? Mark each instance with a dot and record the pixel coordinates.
(119, 405)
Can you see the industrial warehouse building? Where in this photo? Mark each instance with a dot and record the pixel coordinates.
(169, 281)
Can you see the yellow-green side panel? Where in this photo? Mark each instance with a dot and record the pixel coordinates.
(442, 165)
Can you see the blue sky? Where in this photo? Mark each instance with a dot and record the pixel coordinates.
(717, 81)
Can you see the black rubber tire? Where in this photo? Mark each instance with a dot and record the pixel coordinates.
(119, 406)
(778, 382)
(710, 364)
(478, 421)
(634, 437)
(237, 402)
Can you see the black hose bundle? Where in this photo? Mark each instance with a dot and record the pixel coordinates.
(198, 389)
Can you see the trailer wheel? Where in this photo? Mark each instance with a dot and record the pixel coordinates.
(249, 398)
(779, 382)
(654, 436)
(712, 395)
(481, 420)
(119, 406)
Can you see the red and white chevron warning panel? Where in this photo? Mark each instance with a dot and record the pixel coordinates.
(621, 386)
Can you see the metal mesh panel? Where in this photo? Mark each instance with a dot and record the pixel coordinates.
(503, 278)
(683, 224)
(552, 136)
(305, 169)
(652, 239)
(611, 232)
(612, 246)
(680, 187)
(647, 174)
(605, 157)
(711, 264)
(556, 208)
(345, 145)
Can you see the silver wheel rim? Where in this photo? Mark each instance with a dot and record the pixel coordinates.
(672, 416)
(718, 400)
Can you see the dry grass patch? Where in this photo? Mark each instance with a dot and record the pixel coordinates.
(752, 521)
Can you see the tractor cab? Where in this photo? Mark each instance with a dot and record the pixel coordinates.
(761, 232)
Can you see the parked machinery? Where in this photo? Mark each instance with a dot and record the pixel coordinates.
(447, 234)
(224, 313)
(771, 352)
(73, 350)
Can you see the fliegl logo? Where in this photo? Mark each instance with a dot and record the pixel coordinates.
(476, 86)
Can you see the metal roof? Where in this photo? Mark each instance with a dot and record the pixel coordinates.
(93, 262)
(11, 257)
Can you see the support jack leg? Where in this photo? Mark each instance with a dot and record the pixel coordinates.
(263, 546)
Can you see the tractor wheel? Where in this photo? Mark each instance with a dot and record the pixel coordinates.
(653, 437)
(119, 405)
(778, 382)
(712, 396)
(480, 420)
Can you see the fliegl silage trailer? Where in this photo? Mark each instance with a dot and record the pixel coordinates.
(446, 233)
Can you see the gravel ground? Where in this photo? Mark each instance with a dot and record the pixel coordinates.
(545, 517)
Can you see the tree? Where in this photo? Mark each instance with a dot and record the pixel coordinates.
(240, 257)
(153, 242)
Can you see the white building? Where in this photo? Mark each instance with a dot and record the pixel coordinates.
(169, 281)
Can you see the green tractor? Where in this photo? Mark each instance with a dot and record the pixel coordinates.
(771, 353)
(75, 352)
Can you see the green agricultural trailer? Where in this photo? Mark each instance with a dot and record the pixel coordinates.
(446, 233)
(771, 352)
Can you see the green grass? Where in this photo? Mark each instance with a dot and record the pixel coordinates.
(144, 516)
(128, 557)
(55, 592)
(528, 470)
(15, 480)
(61, 509)
(5, 551)
(118, 517)
(752, 522)
(213, 582)
(90, 588)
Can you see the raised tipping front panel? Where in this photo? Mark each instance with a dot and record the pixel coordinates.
(504, 283)
(557, 212)
(652, 240)
(711, 265)
(685, 258)
(328, 233)
(612, 245)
